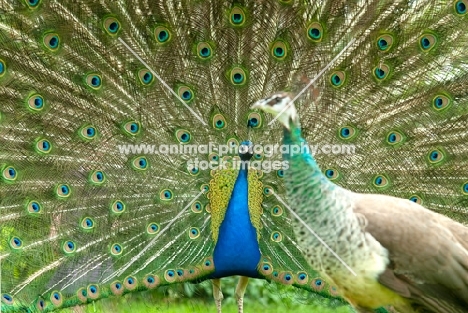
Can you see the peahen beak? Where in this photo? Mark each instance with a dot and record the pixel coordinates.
(278, 107)
(260, 104)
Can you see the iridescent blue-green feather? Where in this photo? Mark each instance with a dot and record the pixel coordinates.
(84, 215)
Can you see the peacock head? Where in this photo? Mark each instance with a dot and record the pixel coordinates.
(281, 107)
(245, 150)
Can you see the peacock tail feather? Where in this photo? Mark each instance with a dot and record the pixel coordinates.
(80, 219)
(100, 101)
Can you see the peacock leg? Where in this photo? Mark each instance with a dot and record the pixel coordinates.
(240, 291)
(217, 293)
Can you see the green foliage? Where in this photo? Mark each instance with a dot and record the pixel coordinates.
(181, 298)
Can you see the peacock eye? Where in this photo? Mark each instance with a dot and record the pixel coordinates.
(274, 101)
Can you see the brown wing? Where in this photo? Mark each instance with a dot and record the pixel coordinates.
(428, 252)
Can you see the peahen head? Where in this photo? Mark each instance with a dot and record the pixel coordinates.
(281, 107)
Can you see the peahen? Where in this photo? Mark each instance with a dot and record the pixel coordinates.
(380, 250)
(102, 102)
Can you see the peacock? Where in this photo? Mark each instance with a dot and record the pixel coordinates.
(87, 209)
(130, 156)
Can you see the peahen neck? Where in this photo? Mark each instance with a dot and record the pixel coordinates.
(304, 178)
(237, 251)
(303, 162)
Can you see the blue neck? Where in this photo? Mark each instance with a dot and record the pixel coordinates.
(237, 251)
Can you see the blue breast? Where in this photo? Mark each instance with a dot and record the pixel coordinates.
(237, 251)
